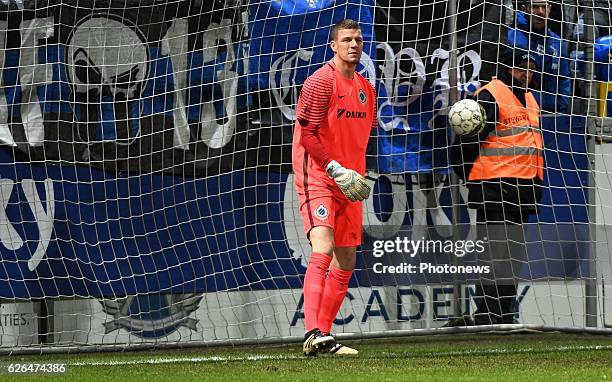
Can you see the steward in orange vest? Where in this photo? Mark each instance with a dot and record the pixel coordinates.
(503, 167)
(514, 148)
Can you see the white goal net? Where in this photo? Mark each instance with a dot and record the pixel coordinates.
(145, 168)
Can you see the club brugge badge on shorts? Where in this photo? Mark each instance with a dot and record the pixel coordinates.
(362, 96)
(321, 212)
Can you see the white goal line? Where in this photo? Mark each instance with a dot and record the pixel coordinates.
(160, 361)
(264, 357)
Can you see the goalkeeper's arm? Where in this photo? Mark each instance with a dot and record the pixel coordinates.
(351, 183)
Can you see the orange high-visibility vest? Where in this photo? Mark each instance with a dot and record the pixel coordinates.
(514, 148)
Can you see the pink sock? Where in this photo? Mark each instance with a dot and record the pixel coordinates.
(336, 287)
(314, 283)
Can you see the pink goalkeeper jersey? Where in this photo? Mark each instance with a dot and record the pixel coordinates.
(343, 112)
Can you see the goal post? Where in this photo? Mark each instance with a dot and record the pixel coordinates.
(146, 190)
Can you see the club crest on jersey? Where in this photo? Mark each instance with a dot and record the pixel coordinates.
(321, 212)
(362, 96)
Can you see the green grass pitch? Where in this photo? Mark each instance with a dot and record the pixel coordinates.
(462, 357)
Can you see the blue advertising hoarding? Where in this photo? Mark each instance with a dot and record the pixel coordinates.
(76, 231)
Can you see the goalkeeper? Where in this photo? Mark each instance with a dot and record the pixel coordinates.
(503, 166)
(335, 114)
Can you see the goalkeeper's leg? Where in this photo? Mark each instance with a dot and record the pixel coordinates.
(314, 284)
(347, 235)
(335, 290)
(336, 287)
(315, 342)
(333, 227)
(317, 212)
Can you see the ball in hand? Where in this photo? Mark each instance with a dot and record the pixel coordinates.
(466, 117)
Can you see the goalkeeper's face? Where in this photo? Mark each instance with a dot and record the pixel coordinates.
(348, 45)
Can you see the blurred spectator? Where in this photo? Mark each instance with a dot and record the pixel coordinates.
(603, 73)
(603, 67)
(602, 19)
(552, 82)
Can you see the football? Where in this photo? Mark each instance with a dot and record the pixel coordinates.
(466, 117)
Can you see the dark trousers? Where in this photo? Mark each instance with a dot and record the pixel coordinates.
(495, 294)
